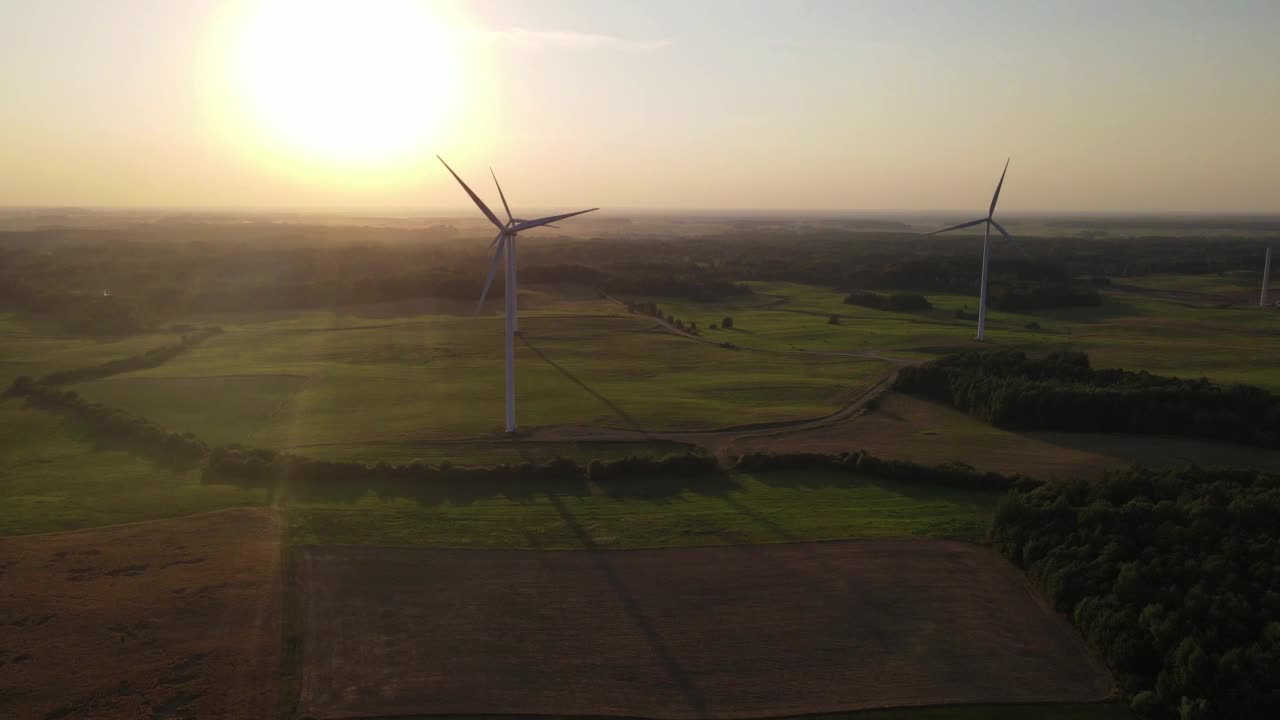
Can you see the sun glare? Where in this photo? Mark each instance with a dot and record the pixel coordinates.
(345, 82)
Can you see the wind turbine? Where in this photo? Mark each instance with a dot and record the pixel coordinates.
(505, 242)
(1266, 280)
(986, 248)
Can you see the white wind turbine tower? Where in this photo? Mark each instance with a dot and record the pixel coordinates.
(506, 242)
(986, 248)
(1266, 280)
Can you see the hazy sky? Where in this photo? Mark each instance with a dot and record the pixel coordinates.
(834, 105)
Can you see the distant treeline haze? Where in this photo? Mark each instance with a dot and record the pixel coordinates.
(120, 281)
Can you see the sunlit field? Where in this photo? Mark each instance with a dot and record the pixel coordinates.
(56, 476)
(320, 379)
(1227, 345)
(29, 347)
(769, 507)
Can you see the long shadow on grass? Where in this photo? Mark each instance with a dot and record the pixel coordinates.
(816, 479)
(453, 491)
(666, 657)
(574, 379)
(82, 431)
(463, 491)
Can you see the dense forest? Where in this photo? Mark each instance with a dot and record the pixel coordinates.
(1172, 577)
(1062, 392)
(114, 281)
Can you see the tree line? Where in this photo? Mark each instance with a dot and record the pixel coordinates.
(1172, 577)
(111, 424)
(114, 281)
(1062, 392)
(148, 359)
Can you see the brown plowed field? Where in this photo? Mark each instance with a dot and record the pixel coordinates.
(167, 619)
(732, 632)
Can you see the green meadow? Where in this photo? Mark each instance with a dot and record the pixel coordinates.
(31, 348)
(55, 476)
(1227, 345)
(321, 379)
(654, 512)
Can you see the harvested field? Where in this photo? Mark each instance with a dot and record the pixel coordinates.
(909, 428)
(733, 632)
(166, 619)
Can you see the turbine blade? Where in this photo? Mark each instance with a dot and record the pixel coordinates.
(992, 210)
(971, 223)
(548, 220)
(504, 197)
(1009, 237)
(479, 203)
(493, 268)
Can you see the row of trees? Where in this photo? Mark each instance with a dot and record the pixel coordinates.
(1062, 392)
(154, 273)
(652, 310)
(1172, 577)
(111, 424)
(952, 475)
(260, 467)
(901, 302)
(148, 359)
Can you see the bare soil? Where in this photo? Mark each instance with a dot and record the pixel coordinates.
(725, 632)
(167, 619)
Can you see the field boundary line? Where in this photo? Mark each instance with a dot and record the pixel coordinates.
(94, 528)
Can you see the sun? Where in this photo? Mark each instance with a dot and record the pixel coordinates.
(343, 81)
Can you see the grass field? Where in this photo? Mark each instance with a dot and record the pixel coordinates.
(324, 379)
(54, 478)
(1238, 284)
(1130, 331)
(30, 348)
(772, 507)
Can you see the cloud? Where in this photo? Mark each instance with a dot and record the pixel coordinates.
(569, 40)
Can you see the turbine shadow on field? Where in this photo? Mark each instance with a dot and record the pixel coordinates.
(526, 490)
(660, 646)
(853, 604)
(576, 381)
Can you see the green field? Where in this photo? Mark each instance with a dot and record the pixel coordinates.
(319, 379)
(55, 478)
(1228, 345)
(654, 512)
(31, 348)
(1235, 284)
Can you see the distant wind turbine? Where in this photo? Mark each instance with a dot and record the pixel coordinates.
(506, 242)
(989, 222)
(1266, 280)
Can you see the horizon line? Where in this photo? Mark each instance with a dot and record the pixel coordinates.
(403, 212)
